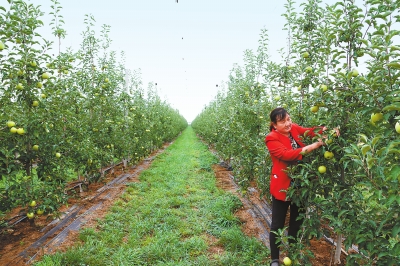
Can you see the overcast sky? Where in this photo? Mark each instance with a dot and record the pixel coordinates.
(187, 48)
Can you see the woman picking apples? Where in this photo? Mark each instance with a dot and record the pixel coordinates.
(285, 148)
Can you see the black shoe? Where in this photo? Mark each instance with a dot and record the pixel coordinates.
(274, 263)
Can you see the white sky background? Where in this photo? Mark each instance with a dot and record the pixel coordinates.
(215, 35)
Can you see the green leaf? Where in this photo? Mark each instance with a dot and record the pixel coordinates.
(363, 137)
(375, 140)
(396, 249)
(394, 173)
(365, 149)
(394, 65)
(392, 107)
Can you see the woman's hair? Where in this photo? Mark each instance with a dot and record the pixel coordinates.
(277, 115)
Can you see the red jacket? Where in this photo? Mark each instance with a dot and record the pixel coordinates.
(283, 155)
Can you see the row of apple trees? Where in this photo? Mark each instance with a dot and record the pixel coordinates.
(66, 116)
(341, 68)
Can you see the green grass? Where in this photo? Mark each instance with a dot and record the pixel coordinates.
(175, 215)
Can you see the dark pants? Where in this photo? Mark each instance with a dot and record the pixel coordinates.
(279, 210)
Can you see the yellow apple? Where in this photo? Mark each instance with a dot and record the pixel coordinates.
(322, 169)
(35, 147)
(19, 86)
(324, 88)
(287, 261)
(45, 75)
(376, 117)
(314, 109)
(58, 155)
(2, 46)
(13, 130)
(10, 123)
(308, 69)
(20, 131)
(328, 155)
(397, 127)
(35, 103)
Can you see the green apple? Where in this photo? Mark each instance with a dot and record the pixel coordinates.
(65, 71)
(106, 80)
(324, 88)
(19, 86)
(32, 203)
(13, 130)
(322, 169)
(2, 46)
(305, 55)
(10, 123)
(33, 64)
(35, 147)
(354, 73)
(308, 69)
(30, 215)
(43, 96)
(299, 88)
(39, 211)
(287, 261)
(45, 75)
(35, 103)
(397, 127)
(58, 155)
(376, 117)
(314, 109)
(39, 85)
(20, 131)
(20, 72)
(328, 155)
(277, 98)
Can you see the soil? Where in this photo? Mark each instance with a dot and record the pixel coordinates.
(17, 239)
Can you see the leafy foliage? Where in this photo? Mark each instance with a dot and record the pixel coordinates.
(80, 111)
(341, 59)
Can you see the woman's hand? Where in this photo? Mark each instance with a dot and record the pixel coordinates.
(311, 147)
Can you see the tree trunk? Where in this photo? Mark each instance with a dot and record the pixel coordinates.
(338, 249)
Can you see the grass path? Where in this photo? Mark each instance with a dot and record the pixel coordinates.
(175, 215)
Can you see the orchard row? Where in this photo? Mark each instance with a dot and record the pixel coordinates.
(341, 69)
(67, 116)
